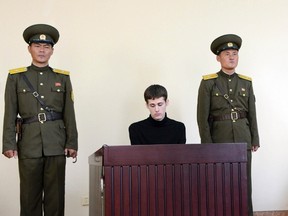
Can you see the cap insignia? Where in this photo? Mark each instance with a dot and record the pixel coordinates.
(42, 37)
(230, 44)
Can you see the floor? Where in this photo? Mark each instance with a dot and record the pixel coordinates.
(271, 213)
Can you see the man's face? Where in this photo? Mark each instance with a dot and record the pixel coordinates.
(41, 53)
(228, 60)
(157, 108)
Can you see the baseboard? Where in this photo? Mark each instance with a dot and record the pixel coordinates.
(271, 213)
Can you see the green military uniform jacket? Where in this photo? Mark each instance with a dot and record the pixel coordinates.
(211, 102)
(51, 137)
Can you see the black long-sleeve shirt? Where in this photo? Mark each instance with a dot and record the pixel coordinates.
(150, 131)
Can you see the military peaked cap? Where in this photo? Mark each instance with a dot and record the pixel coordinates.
(225, 42)
(41, 33)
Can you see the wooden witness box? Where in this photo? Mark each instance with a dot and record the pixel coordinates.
(169, 180)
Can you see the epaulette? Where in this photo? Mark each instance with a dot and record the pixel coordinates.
(61, 71)
(245, 77)
(18, 70)
(210, 76)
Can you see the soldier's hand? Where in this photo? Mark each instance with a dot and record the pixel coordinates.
(71, 153)
(11, 153)
(254, 148)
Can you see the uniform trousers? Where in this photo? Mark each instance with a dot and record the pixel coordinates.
(42, 186)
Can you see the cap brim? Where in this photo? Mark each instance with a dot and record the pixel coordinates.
(41, 29)
(225, 39)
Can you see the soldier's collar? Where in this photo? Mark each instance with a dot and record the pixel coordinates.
(222, 73)
(39, 69)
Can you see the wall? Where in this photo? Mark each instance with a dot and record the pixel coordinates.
(115, 49)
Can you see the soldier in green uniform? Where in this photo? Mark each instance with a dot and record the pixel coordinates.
(42, 96)
(226, 110)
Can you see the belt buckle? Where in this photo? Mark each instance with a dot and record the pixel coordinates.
(234, 116)
(42, 117)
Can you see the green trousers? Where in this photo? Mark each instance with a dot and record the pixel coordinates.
(42, 186)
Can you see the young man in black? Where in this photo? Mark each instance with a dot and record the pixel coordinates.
(157, 128)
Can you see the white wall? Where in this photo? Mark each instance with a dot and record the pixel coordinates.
(115, 49)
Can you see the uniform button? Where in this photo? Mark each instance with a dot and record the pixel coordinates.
(41, 84)
(231, 101)
(42, 96)
(229, 80)
(230, 90)
(24, 90)
(58, 90)
(41, 109)
(41, 73)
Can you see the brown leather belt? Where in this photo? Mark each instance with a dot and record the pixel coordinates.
(43, 117)
(234, 115)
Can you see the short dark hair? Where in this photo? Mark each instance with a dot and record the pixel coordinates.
(155, 91)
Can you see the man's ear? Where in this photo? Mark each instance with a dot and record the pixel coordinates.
(218, 58)
(167, 102)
